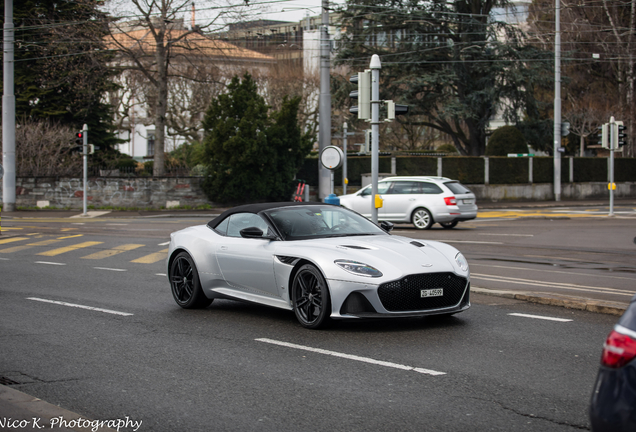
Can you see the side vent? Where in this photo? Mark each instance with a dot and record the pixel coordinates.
(416, 243)
(354, 247)
(286, 259)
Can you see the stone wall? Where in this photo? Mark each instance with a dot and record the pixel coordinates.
(104, 192)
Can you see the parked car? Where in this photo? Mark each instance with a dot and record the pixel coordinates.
(421, 201)
(322, 261)
(613, 406)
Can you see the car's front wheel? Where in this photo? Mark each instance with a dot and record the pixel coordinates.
(310, 297)
(422, 219)
(185, 284)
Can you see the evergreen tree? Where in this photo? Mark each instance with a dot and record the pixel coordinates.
(251, 155)
(61, 71)
(453, 63)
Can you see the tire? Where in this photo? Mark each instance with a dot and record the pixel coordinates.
(310, 297)
(448, 225)
(422, 219)
(185, 284)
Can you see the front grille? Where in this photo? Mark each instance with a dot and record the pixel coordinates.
(405, 294)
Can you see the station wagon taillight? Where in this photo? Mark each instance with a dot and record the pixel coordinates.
(618, 350)
(450, 201)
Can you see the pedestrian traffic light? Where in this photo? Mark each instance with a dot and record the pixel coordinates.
(565, 129)
(621, 136)
(603, 135)
(363, 95)
(79, 138)
(368, 141)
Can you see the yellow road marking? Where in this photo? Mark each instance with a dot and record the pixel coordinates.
(114, 251)
(73, 236)
(28, 246)
(152, 258)
(62, 250)
(13, 239)
(10, 228)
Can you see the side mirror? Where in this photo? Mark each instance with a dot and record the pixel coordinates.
(254, 232)
(386, 226)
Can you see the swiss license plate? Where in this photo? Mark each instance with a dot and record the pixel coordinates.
(437, 292)
(469, 201)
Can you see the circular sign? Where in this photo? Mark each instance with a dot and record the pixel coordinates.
(331, 157)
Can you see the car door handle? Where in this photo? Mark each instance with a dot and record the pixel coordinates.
(224, 248)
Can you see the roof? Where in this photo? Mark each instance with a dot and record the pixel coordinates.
(259, 207)
(191, 43)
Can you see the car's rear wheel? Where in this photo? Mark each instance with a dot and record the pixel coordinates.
(448, 225)
(422, 219)
(185, 284)
(310, 297)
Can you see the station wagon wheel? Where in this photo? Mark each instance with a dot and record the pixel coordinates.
(310, 297)
(422, 219)
(185, 284)
(448, 225)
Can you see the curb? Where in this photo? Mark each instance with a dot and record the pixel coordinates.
(568, 302)
(28, 413)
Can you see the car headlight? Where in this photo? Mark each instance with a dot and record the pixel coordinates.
(358, 268)
(461, 261)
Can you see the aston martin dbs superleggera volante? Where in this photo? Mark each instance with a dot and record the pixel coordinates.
(319, 260)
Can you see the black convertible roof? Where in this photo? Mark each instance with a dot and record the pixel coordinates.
(259, 207)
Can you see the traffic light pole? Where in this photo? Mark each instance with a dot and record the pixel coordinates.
(8, 113)
(557, 102)
(85, 157)
(324, 105)
(613, 145)
(375, 67)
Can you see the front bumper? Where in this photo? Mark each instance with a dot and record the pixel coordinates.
(399, 298)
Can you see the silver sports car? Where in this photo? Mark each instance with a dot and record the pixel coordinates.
(319, 260)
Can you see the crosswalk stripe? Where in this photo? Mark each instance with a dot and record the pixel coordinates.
(28, 246)
(65, 249)
(13, 239)
(152, 258)
(114, 251)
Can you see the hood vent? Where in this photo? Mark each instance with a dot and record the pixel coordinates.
(354, 247)
(416, 243)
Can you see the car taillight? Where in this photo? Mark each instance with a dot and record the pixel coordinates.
(450, 200)
(618, 350)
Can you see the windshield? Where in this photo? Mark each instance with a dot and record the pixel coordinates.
(301, 223)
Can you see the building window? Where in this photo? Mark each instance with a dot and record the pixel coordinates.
(151, 145)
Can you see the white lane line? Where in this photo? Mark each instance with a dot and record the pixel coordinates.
(473, 264)
(164, 244)
(540, 317)
(80, 306)
(49, 263)
(510, 235)
(559, 285)
(351, 357)
(160, 274)
(4, 259)
(111, 269)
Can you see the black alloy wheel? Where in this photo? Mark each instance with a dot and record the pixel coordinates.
(185, 285)
(448, 225)
(310, 297)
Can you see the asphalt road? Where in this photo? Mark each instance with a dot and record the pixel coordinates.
(87, 322)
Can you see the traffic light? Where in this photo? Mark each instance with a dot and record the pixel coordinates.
(363, 95)
(368, 140)
(603, 135)
(393, 109)
(565, 129)
(79, 143)
(621, 136)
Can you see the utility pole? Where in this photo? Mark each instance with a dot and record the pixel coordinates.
(8, 113)
(613, 146)
(324, 132)
(85, 157)
(557, 101)
(375, 67)
(345, 180)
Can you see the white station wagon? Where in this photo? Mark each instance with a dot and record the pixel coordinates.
(421, 201)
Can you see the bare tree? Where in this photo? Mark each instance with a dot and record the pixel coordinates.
(158, 46)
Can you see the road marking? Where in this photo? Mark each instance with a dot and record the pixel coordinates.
(559, 285)
(164, 244)
(62, 250)
(115, 224)
(511, 235)
(72, 236)
(152, 258)
(472, 264)
(540, 317)
(49, 263)
(111, 269)
(5, 259)
(114, 251)
(13, 239)
(80, 306)
(352, 357)
(160, 274)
